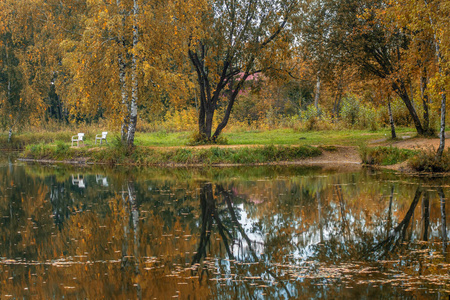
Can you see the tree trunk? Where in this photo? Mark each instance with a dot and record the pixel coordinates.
(438, 54)
(337, 102)
(440, 150)
(391, 119)
(134, 80)
(209, 121)
(125, 109)
(10, 135)
(8, 96)
(231, 101)
(317, 95)
(400, 89)
(124, 94)
(425, 101)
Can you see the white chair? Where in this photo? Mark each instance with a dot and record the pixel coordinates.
(101, 137)
(78, 138)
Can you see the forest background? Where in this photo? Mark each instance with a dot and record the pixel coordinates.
(205, 66)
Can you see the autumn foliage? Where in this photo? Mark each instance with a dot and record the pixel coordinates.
(205, 66)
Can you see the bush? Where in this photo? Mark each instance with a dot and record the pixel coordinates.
(61, 147)
(384, 155)
(367, 118)
(311, 118)
(41, 150)
(314, 120)
(355, 114)
(425, 161)
(198, 138)
(350, 111)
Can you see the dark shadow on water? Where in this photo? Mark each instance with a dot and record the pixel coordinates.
(398, 233)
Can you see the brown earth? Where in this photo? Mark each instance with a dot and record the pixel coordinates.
(347, 156)
(418, 143)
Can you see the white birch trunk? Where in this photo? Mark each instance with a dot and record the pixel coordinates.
(438, 54)
(9, 92)
(441, 148)
(134, 79)
(122, 77)
(317, 95)
(124, 93)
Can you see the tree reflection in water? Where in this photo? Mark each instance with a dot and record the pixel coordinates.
(443, 219)
(398, 234)
(233, 237)
(282, 236)
(131, 210)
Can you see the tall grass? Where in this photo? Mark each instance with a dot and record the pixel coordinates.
(425, 161)
(117, 154)
(384, 155)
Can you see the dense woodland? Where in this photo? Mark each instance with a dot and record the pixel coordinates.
(203, 65)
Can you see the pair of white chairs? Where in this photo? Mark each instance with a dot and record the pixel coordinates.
(79, 138)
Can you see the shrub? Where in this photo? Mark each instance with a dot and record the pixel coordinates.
(425, 161)
(356, 114)
(350, 111)
(198, 138)
(311, 118)
(61, 147)
(384, 155)
(41, 150)
(367, 118)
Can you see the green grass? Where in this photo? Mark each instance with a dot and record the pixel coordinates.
(114, 154)
(173, 139)
(273, 137)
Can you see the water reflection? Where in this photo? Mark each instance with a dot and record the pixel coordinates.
(101, 179)
(78, 181)
(245, 234)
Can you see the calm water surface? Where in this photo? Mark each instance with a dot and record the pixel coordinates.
(237, 233)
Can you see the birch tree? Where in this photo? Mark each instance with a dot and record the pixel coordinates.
(27, 59)
(127, 52)
(426, 23)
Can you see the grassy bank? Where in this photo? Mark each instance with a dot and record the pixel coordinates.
(423, 161)
(284, 136)
(256, 146)
(140, 155)
(385, 156)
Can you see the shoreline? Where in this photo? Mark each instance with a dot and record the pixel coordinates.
(326, 156)
(342, 156)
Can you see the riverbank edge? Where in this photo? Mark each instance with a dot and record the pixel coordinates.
(175, 156)
(325, 156)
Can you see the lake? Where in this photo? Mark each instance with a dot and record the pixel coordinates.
(284, 232)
